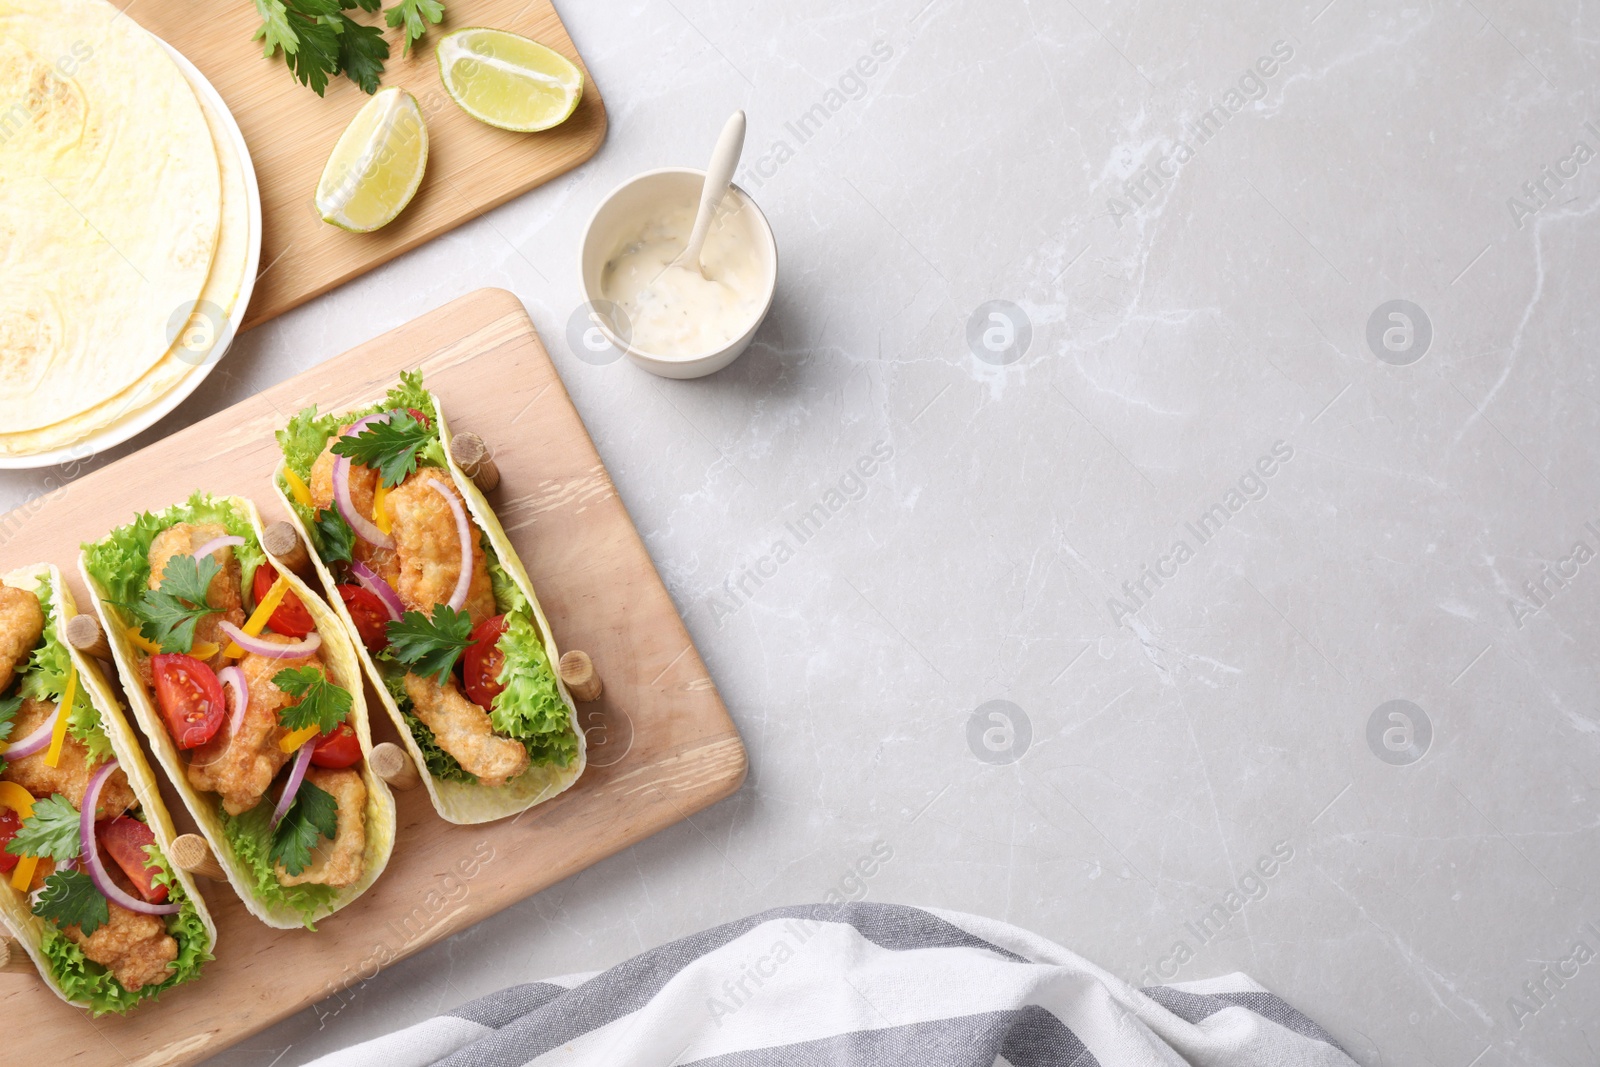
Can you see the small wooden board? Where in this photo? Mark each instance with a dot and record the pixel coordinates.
(290, 131)
(661, 744)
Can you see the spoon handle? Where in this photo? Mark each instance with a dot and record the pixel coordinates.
(719, 173)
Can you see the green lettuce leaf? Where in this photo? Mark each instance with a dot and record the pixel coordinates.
(45, 678)
(251, 836)
(530, 709)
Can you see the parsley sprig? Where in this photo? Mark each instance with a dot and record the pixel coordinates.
(322, 704)
(338, 539)
(313, 816)
(167, 615)
(69, 898)
(319, 40)
(431, 646)
(51, 832)
(390, 448)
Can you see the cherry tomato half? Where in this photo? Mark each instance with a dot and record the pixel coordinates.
(370, 616)
(481, 663)
(10, 823)
(338, 750)
(291, 619)
(190, 698)
(125, 839)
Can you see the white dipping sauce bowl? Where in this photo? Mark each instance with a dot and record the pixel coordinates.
(618, 221)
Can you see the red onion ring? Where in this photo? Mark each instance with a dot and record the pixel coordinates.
(271, 649)
(297, 774)
(90, 856)
(215, 543)
(364, 528)
(34, 742)
(464, 534)
(370, 580)
(233, 678)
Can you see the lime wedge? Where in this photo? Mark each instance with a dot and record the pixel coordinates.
(509, 81)
(377, 165)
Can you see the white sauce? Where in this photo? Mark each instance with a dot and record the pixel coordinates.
(675, 311)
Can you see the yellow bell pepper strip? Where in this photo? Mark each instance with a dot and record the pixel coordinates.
(141, 642)
(204, 650)
(19, 800)
(258, 618)
(380, 508)
(298, 487)
(58, 736)
(291, 742)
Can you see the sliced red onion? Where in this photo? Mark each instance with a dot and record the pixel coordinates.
(464, 535)
(215, 543)
(364, 528)
(297, 774)
(369, 579)
(271, 649)
(233, 678)
(34, 742)
(90, 856)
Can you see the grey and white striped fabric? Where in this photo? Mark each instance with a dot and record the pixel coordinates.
(863, 985)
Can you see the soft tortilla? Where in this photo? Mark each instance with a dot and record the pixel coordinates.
(192, 350)
(110, 206)
(339, 659)
(465, 803)
(28, 928)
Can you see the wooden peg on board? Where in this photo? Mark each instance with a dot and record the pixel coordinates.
(85, 634)
(13, 960)
(472, 456)
(577, 670)
(284, 544)
(390, 762)
(191, 852)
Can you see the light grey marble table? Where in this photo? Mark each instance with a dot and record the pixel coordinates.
(1223, 377)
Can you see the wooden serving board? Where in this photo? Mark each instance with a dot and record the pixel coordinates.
(661, 745)
(290, 131)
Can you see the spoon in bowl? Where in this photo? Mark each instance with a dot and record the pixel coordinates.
(719, 174)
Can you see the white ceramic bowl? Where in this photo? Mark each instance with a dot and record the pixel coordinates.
(619, 219)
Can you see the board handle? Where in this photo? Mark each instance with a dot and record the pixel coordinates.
(284, 544)
(577, 670)
(13, 960)
(390, 762)
(190, 852)
(472, 456)
(85, 634)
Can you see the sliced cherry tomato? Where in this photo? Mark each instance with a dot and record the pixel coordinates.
(291, 619)
(338, 750)
(10, 823)
(371, 617)
(420, 417)
(125, 839)
(481, 663)
(190, 697)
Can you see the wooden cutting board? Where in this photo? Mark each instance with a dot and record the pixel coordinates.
(661, 745)
(290, 131)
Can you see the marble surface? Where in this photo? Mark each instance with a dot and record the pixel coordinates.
(1370, 509)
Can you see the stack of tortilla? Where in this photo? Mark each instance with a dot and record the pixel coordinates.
(125, 224)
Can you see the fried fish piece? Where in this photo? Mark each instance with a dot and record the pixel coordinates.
(363, 494)
(224, 594)
(135, 948)
(70, 777)
(239, 767)
(338, 862)
(21, 626)
(429, 547)
(463, 729)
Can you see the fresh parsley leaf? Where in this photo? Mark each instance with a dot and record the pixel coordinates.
(50, 832)
(365, 5)
(319, 40)
(313, 815)
(338, 539)
(69, 898)
(322, 704)
(362, 51)
(168, 615)
(431, 646)
(390, 448)
(8, 711)
(411, 14)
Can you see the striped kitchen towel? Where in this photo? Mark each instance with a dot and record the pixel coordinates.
(864, 985)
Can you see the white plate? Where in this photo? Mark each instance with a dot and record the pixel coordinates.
(119, 432)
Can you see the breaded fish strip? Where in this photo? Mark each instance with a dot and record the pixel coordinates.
(135, 948)
(240, 767)
(363, 491)
(338, 862)
(463, 730)
(70, 777)
(429, 548)
(21, 626)
(223, 593)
